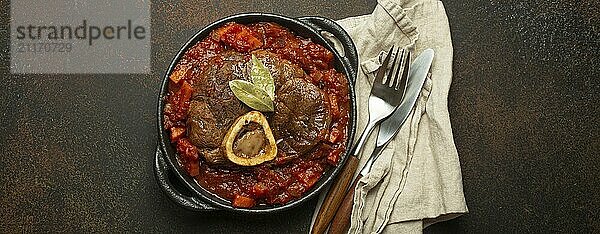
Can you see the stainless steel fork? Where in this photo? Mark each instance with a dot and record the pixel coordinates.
(385, 97)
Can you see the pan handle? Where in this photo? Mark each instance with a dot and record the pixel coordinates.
(323, 26)
(162, 171)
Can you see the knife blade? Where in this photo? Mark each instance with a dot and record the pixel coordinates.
(387, 130)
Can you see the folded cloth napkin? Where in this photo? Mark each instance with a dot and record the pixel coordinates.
(417, 179)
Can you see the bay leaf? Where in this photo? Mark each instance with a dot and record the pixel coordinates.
(251, 95)
(262, 78)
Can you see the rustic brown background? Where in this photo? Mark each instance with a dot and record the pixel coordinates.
(76, 150)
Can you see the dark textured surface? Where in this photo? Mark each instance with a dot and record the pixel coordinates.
(77, 150)
(524, 108)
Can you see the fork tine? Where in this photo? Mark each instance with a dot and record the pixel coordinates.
(402, 59)
(381, 71)
(402, 83)
(388, 80)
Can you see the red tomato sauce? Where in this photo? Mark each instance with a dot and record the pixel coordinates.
(283, 180)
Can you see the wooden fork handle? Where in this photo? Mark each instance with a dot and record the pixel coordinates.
(334, 197)
(341, 220)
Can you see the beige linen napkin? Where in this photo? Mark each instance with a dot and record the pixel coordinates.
(417, 179)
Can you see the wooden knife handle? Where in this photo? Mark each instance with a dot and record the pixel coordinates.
(334, 196)
(341, 220)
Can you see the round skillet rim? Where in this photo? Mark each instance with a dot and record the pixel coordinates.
(167, 149)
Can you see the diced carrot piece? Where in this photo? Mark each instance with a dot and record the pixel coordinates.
(186, 91)
(334, 156)
(179, 73)
(334, 135)
(309, 177)
(177, 133)
(243, 202)
(252, 42)
(238, 36)
(312, 180)
(259, 189)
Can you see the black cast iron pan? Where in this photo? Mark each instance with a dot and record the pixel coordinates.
(181, 187)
